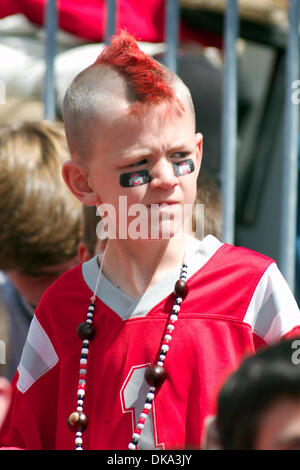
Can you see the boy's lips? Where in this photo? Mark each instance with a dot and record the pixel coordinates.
(164, 206)
(160, 203)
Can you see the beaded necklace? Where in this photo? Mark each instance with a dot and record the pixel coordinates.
(155, 375)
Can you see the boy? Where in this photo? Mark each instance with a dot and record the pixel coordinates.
(40, 225)
(146, 363)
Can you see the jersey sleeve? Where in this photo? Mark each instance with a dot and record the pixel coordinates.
(273, 312)
(31, 420)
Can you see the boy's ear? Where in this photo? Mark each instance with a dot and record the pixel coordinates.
(199, 147)
(199, 144)
(76, 178)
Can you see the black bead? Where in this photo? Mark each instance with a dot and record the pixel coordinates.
(134, 441)
(77, 421)
(181, 289)
(155, 375)
(85, 331)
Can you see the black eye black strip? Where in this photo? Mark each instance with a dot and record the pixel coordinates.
(135, 178)
(139, 177)
(183, 168)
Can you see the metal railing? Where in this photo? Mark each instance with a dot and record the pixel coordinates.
(50, 52)
(288, 219)
(229, 121)
(229, 113)
(288, 226)
(111, 19)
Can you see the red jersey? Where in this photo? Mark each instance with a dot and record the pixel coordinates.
(237, 301)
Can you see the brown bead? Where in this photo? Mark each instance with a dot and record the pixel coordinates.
(181, 289)
(77, 421)
(85, 331)
(155, 375)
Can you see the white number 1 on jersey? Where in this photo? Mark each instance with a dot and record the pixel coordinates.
(133, 394)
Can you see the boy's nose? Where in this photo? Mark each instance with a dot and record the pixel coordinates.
(163, 175)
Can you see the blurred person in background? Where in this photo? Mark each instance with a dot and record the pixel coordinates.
(40, 224)
(259, 404)
(5, 392)
(209, 194)
(90, 245)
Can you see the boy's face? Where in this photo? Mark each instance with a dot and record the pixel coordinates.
(150, 144)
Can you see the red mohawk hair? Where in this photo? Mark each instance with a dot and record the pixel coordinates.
(147, 78)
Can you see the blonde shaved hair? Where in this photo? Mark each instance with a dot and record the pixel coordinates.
(105, 88)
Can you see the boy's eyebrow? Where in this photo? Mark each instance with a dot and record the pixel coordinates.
(139, 154)
(135, 155)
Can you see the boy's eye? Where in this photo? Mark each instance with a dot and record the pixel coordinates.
(140, 163)
(180, 155)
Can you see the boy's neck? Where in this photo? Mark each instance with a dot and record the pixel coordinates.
(136, 265)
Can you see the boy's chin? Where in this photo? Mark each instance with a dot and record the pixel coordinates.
(165, 231)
